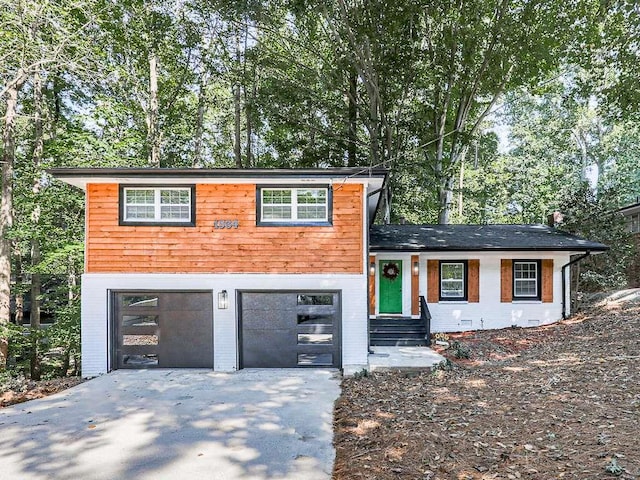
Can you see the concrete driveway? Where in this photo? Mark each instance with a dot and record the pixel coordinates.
(175, 424)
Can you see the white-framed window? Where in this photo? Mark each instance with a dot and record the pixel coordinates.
(161, 205)
(294, 205)
(634, 223)
(526, 279)
(453, 280)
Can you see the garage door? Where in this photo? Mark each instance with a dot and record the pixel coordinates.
(163, 329)
(286, 329)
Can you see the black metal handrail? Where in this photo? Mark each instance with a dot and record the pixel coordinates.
(425, 316)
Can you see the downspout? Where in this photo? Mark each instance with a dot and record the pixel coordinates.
(564, 281)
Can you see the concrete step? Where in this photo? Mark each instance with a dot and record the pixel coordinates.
(398, 329)
(397, 342)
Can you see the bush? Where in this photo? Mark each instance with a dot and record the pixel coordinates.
(460, 350)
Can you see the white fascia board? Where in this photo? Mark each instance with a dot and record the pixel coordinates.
(371, 183)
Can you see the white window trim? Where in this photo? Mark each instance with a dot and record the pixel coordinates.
(157, 194)
(634, 227)
(462, 282)
(294, 205)
(527, 280)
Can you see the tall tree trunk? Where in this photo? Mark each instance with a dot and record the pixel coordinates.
(199, 133)
(247, 111)
(153, 134)
(36, 281)
(18, 315)
(237, 149)
(237, 124)
(248, 100)
(353, 119)
(36, 292)
(460, 189)
(6, 211)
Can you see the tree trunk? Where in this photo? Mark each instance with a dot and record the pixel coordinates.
(460, 188)
(445, 197)
(236, 145)
(36, 281)
(72, 282)
(153, 135)
(237, 148)
(248, 150)
(36, 292)
(6, 214)
(18, 316)
(199, 133)
(353, 119)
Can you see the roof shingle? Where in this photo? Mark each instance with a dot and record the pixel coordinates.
(476, 238)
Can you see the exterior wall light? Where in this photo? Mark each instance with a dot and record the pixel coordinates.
(372, 268)
(416, 268)
(223, 300)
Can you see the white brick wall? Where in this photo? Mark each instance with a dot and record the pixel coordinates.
(95, 321)
(490, 312)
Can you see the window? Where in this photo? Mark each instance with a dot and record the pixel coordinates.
(453, 280)
(526, 280)
(634, 222)
(146, 205)
(279, 205)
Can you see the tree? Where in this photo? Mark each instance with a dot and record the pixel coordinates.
(47, 36)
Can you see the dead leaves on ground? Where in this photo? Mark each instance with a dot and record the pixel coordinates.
(560, 401)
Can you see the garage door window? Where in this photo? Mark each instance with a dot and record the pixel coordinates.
(290, 329)
(163, 329)
(315, 359)
(315, 299)
(315, 339)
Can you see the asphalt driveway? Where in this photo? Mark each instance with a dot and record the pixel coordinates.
(175, 424)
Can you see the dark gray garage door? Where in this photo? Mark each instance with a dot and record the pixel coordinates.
(163, 329)
(286, 329)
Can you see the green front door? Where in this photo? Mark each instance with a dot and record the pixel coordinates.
(390, 281)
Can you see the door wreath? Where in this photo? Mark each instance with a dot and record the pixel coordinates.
(390, 271)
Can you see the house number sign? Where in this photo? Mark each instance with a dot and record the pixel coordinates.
(219, 224)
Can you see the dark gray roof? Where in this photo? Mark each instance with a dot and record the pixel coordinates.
(418, 238)
(217, 172)
(630, 209)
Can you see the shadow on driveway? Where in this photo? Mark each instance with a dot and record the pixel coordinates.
(175, 424)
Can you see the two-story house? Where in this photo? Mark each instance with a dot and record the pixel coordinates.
(231, 269)
(225, 268)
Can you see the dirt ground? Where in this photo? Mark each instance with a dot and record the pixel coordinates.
(21, 390)
(560, 401)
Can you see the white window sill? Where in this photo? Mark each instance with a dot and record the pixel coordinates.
(526, 302)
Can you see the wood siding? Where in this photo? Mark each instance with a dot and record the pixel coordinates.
(433, 281)
(372, 287)
(473, 292)
(547, 280)
(415, 286)
(506, 280)
(113, 248)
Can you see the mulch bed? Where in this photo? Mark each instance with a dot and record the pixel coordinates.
(24, 389)
(559, 401)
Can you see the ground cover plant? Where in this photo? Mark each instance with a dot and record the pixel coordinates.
(560, 401)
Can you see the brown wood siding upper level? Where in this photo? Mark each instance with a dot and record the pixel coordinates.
(204, 249)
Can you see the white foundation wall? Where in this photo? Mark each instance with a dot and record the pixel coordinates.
(96, 334)
(490, 313)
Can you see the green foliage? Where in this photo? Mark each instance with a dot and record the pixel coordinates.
(614, 468)
(593, 216)
(364, 373)
(460, 350)
(443, 366)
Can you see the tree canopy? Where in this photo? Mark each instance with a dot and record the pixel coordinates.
(482, 110)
